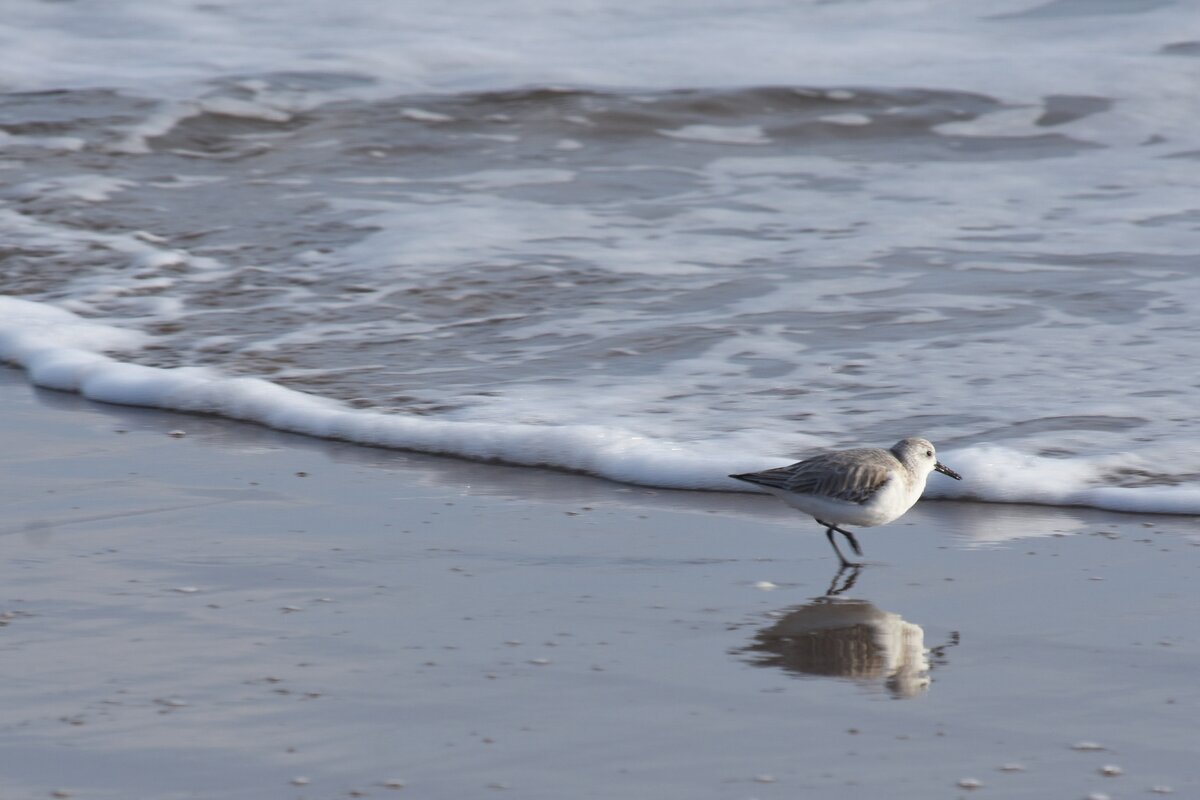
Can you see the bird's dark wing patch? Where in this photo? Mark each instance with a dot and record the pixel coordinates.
(847, 475)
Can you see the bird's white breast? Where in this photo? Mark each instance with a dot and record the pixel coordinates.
(893, 498)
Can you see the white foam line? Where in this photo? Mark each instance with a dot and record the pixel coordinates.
(60, 350)
(1000, 475)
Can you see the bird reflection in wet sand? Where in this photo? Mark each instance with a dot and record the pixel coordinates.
(847, 638)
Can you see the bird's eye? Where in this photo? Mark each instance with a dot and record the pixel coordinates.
(929, 453)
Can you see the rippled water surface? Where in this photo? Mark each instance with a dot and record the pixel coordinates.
(985, 257)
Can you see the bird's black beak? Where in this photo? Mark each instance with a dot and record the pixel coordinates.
(942, 468)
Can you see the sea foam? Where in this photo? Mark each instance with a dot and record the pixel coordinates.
(61, 350)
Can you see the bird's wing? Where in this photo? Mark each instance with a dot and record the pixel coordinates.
(840, 476)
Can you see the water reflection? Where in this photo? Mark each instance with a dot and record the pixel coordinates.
(848, 638)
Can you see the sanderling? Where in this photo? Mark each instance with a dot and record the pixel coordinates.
(866, 486)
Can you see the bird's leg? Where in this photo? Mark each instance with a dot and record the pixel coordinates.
(829, 534)
(853, 541)
(849, 536)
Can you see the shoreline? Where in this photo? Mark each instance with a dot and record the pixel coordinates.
(60, 350)
(244, 613)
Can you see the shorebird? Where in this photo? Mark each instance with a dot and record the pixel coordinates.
(866, 486)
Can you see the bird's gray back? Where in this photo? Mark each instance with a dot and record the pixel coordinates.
(850, 475)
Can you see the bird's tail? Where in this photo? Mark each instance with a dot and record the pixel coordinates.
(778, 478)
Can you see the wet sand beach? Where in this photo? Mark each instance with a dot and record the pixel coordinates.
(237, 613)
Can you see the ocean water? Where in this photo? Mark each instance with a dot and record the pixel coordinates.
(656, 243)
